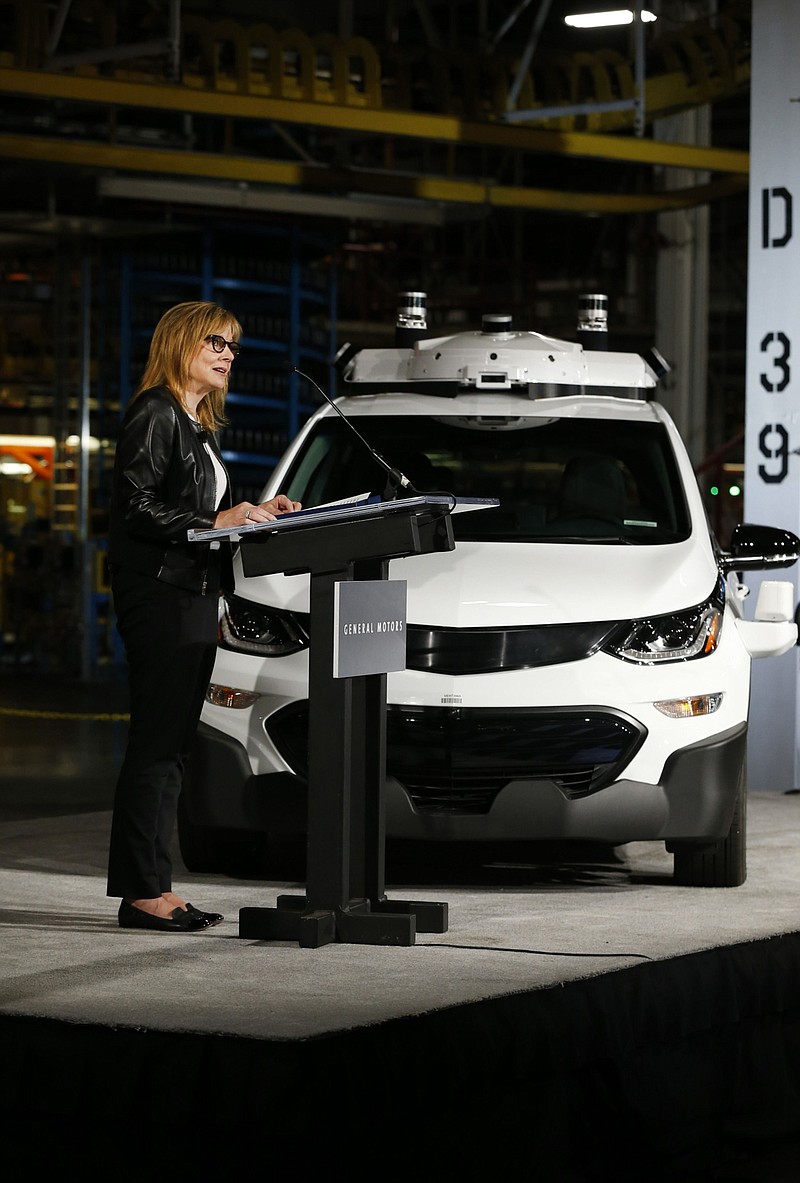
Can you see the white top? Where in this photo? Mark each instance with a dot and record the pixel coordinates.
(220, 476)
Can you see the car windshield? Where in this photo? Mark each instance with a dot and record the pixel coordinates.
(577, 480)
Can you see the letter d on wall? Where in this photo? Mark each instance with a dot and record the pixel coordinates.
(769, 198)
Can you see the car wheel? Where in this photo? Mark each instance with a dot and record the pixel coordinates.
(241, 854)
(716, 864)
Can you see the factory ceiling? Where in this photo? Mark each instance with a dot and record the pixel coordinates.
(417, 110)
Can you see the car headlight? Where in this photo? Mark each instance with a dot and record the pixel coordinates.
(260, 630)
(680, 636)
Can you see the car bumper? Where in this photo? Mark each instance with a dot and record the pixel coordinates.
(693, 800)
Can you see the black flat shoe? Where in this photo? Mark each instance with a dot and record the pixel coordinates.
(211, 918)
(180, 921)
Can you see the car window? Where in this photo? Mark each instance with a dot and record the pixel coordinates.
(595, 480)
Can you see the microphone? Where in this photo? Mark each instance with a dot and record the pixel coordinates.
(396, 480)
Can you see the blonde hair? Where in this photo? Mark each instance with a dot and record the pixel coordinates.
(176, 339)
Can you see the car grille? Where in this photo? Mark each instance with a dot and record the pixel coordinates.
(457, 760)
(489, 650)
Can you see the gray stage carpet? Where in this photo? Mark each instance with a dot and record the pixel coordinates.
(515, 927)
(582, 1020)
(584, 1017)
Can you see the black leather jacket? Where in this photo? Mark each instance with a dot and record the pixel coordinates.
(163, 486)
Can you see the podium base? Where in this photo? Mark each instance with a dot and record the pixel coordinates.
(362, 922)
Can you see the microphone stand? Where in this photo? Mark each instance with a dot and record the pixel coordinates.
(397, 485)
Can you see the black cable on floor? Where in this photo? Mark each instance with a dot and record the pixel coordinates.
(537, 952)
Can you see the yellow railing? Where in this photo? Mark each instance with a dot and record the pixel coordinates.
(697, 64)
(258, 60)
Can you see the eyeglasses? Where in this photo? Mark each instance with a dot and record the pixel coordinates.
(218, 343)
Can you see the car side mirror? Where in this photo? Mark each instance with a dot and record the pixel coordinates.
(759, 548)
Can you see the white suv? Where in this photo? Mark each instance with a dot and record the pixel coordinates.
(578, 668)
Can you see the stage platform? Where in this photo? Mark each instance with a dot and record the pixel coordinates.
(581, 1019)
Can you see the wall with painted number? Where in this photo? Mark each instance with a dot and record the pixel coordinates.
(772, 424)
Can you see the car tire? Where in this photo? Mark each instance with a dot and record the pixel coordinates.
(716, 864)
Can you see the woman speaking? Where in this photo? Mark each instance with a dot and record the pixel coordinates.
(169, 478)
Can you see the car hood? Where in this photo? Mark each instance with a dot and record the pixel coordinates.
(479, 584)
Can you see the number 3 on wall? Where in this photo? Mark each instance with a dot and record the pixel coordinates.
(781, 362)
(779, 453)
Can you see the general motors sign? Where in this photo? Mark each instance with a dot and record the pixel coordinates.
(369, 627)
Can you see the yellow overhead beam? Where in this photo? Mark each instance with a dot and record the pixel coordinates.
(446, 129)
(248, 170)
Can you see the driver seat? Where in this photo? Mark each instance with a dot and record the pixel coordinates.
(592, 486)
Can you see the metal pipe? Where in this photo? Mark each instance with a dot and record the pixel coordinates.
(639, 68)
(568, 109)
(58, 26)
(84, 546)
(527, 56)
(510, 21)
(428, 24)
(174, 40)
(116, 53)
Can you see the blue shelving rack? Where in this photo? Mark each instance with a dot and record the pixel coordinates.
(280, 282)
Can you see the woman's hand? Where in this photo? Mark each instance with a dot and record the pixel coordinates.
(246, 512)
(280, 504)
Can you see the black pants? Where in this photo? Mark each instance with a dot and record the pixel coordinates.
(170, 642)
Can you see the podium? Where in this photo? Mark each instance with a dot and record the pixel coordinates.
(345, 897)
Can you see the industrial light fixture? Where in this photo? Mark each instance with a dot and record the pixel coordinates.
(242, 196)
(14, 468)
(75, 441)
(602, 20)
(27, 441)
